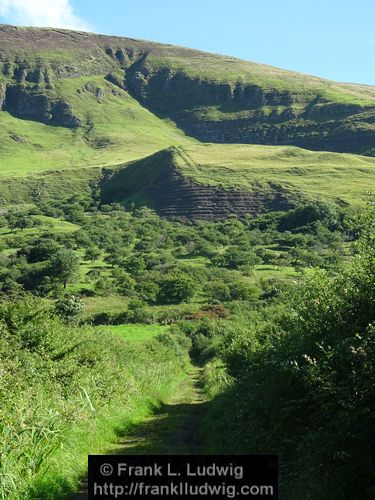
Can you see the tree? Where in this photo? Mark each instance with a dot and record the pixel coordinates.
(242, 290)
(42, 249)
(19, 221)
(93, 274)
(124, 283)
(74, 212)
(24, 222)
(310, 215)
(148, 289)
(103, 286)
(218, 290)
(134, 264)
(176, 288)
(234, 257)
(92, 253)
(266, 255)
(64, 265)
(116, 255)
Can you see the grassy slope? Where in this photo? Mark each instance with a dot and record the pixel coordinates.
(116, 129)
(48, 224)
(335, 175)
(98, 434)
(86, 53)
(213, 67)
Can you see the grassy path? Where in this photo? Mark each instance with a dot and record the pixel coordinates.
(172, 430)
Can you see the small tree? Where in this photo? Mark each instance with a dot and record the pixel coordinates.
(124, 283)
(241, 290)
(176, 288)
(104, 286)
(92, 253)
(19, 221)
(64, 265)
(147, 289)
(24, 222)
(218, 290)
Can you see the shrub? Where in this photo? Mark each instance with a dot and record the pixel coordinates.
(303, 385)
(69, 307)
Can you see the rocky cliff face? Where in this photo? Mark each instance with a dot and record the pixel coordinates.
(174, 195)
(28, 92)
(346, 136)
(157, 182)
(213, 98)
(247, 113)
(34, 105)
(170, 90)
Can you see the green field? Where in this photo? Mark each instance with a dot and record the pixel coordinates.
(13, 237)
(135, 333)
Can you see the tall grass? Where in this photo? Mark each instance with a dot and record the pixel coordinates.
(66, 392)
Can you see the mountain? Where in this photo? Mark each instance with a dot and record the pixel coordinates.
(71, 100)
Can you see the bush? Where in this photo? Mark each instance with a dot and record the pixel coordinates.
(304, 385)
(69, 307)
(218, 290)
(102, 318)
(205, 337)
(176, 341)
(241, 290)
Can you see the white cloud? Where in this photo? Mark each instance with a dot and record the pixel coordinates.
(50, 13)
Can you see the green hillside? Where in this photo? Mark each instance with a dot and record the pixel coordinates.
(115, 127)
(218, 180)
(60, 78)
(337, 176)
(70, 101)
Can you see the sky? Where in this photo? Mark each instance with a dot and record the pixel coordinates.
(334, 39)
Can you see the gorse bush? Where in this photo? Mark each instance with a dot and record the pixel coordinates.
(60, 386)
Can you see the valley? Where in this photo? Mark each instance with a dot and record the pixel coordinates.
(186, 263)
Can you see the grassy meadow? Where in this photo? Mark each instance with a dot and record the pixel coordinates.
(135, 333)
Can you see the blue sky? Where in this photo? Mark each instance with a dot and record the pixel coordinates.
(329, 38)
